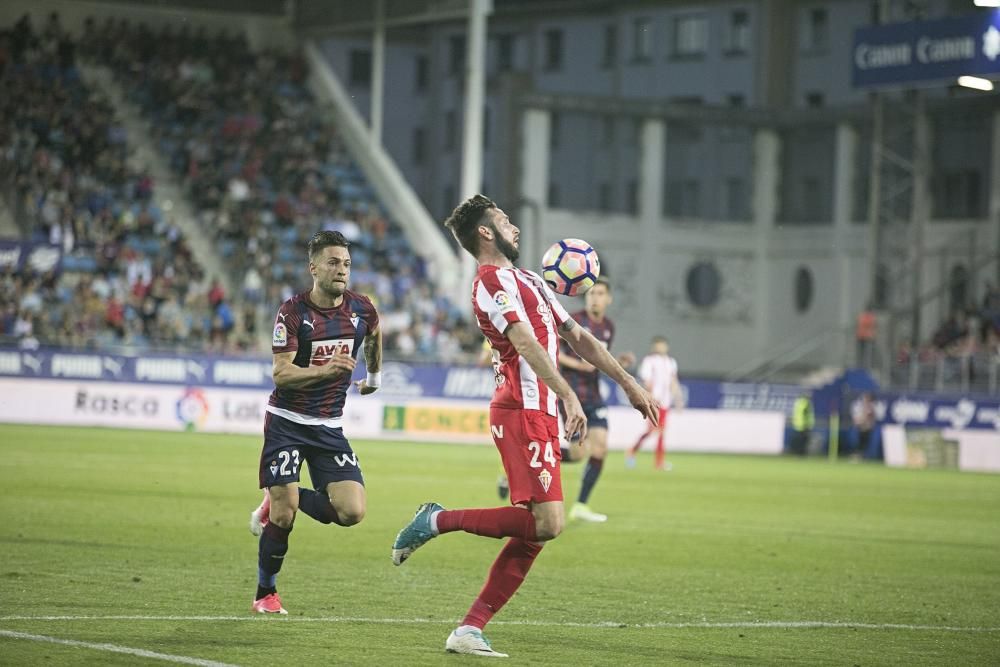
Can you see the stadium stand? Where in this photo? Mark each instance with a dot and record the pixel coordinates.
(260, 160)
(126, 278)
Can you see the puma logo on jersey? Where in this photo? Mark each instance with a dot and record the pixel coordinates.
(497, 431)
(282, 316)
(309, 323)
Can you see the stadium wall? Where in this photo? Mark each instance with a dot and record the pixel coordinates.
(421, 402)
(417, 402)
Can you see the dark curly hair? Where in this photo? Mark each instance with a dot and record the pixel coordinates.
(325, 239)
(464, 221)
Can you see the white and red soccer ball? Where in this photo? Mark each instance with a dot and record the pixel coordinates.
(570, 267)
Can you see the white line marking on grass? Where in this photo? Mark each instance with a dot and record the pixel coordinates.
(781, 625)
(113, 648)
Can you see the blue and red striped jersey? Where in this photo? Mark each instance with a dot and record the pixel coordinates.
(586, 385)
(315, 334)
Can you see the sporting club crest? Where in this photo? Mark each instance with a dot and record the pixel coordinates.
(545, 477)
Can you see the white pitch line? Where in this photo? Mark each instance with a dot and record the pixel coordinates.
(781, 625)
(114, 648)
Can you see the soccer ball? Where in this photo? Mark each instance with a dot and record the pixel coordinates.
(571, 267)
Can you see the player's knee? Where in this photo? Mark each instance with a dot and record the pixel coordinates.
(549, 529)
(351, 516)
(283, 516)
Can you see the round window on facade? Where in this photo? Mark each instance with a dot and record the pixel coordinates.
(704, 284)
(803, 289)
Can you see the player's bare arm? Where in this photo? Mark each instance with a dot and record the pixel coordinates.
(524, 341)
(289, 376)
(373, 362)
(588, 347)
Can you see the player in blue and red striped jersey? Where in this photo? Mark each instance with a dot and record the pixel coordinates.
(316, 338)
(584, 379)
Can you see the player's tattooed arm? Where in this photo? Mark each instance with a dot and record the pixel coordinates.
(289, 376)
(373, 351)
(373, 362)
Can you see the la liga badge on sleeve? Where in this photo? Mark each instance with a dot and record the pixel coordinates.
(280, 337)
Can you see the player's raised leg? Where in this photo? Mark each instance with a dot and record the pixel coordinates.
(630, 457)
(340, 496)
(273, 547)
(505, 576)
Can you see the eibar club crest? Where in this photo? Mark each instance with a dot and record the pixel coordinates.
(545, 477)
(355, 319)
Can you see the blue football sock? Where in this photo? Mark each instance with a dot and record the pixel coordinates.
(590, 474)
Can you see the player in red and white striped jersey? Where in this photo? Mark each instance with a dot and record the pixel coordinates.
(658, 372)
(523, 321)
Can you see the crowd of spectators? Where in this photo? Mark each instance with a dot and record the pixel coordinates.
(262, 164)
(964, 344)
(266, 168)
(127, 278)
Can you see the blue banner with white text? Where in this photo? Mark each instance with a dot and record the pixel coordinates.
(919, 52)
(400, 380)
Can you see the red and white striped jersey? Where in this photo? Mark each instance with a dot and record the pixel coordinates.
(501, 297)
(658, 372)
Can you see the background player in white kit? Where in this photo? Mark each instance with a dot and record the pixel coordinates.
(658, 373)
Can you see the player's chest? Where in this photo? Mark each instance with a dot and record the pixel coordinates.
(325, 336)
(599, 331)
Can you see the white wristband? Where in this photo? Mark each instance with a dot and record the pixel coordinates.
(374, 380)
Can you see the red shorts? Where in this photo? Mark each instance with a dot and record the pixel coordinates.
(528, 442)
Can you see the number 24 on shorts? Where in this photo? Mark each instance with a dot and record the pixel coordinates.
(536, 449)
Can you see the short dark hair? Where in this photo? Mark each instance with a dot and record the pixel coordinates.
(464, 221)
(660, 339)
(325, 239)
(603, 280)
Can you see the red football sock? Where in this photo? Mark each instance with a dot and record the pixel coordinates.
(638, 443)
(506, 575)
(494, 522)
(660, 451)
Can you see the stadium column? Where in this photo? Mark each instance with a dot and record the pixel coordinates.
(843, 205)
(651, 174)
(767, 181)
(652, 168)
(378, 73)
(534, 185)
(475, 99)
(993, 228)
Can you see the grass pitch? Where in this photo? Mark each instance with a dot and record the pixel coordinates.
(725, 560)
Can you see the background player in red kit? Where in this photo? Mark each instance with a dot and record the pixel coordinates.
(658, 372)
(522, 319)
(317, 335)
